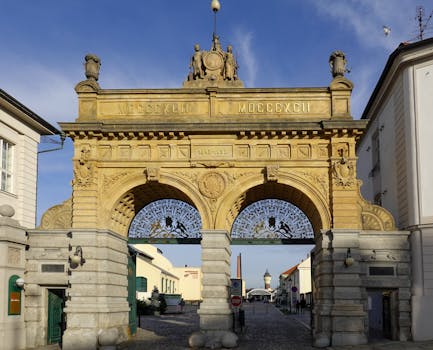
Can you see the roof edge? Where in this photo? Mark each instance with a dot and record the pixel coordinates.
(42, 125)
(402, 48)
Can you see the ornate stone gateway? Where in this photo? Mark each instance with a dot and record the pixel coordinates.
(218, 152)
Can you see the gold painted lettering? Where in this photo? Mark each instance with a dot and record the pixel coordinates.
(269, 108)
(260, 107)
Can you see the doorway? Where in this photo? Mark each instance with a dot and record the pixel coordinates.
(56, 317)
(382, 319)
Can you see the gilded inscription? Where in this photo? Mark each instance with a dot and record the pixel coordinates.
(274, 107)
(212, 151)
(152, 108)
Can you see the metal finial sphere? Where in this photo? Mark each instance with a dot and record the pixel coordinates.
(215, 5)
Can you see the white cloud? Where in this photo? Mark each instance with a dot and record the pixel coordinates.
(243, 43)
(43, 88)
(366, 19)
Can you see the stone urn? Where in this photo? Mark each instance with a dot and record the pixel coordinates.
(92, 65)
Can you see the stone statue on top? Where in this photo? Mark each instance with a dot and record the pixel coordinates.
(213, 68)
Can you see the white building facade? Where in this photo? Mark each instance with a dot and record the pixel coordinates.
(395, 164)
(20, 132)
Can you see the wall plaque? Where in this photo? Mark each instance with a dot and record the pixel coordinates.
(53, 268)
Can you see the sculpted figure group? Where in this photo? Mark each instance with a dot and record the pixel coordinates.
(199, 70)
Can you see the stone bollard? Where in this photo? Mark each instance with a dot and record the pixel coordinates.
(107, 338)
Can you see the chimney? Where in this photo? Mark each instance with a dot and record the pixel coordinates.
(239, 267)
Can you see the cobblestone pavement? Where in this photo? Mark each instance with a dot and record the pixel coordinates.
(266, 328)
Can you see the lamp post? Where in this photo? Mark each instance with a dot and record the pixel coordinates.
(290, 281)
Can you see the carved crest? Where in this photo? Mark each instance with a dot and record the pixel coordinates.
(343, 172)
(84, 170)
(212, 185)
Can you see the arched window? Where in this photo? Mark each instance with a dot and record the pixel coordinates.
(14, 299)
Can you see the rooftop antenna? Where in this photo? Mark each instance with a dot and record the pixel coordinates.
(422, 21)
(215, 5)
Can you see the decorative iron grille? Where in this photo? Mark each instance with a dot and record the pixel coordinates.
(166, 218)
(272, 219)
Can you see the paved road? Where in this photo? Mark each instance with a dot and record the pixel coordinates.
(266, 329)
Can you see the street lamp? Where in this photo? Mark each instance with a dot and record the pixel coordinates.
(20, 282)
(291, 298)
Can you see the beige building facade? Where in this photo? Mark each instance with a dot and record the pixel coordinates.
(396, 168)
(220, 147)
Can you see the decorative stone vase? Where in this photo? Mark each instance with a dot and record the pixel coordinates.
(92, 65)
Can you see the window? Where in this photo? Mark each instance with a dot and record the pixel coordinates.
(6, 165)
(141, 284)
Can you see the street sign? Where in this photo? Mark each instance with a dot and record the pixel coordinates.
(236, 288)
(236, 300)
(294, 289)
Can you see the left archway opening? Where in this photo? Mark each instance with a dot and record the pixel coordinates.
(156, 213)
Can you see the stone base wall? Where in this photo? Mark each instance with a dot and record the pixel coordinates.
(342, 277)
(96, 291)
(12, 262)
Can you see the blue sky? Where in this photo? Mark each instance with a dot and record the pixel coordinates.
(148, 44)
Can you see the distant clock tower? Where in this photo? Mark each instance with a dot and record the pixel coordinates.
(267, 278)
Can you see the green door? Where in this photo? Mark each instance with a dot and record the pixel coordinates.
(131, 295)
(55, 312)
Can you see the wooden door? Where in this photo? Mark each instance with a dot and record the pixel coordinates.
(55, 315)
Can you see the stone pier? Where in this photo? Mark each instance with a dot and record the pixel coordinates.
(215, 313)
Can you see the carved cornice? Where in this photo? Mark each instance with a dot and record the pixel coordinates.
(121, 130)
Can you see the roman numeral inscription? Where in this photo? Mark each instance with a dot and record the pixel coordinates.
(274, 107)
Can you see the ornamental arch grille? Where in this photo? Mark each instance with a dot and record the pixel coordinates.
(272, 220)
(262, 222)
(166, 221)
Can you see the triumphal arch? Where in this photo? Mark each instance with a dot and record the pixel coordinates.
(220, 147)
